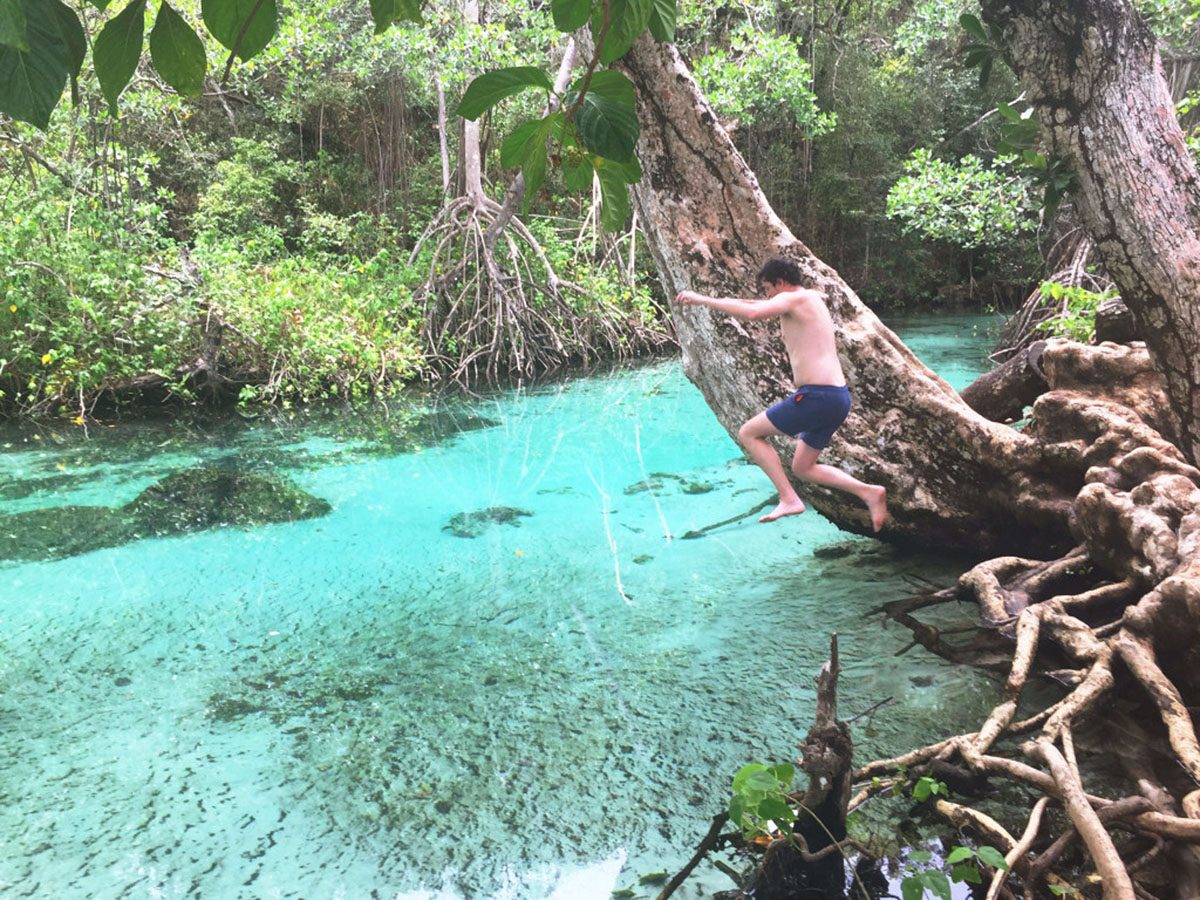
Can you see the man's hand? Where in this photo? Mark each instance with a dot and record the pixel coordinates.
(689, 298)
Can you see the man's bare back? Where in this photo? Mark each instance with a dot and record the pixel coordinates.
(821, 401)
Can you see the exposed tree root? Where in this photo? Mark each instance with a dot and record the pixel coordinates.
(495, 309)
(1115, 620)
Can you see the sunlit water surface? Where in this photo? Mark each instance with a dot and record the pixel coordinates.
(367, 704)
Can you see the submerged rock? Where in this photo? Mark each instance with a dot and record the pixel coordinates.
(472, 524)
(200, 498)
(835, 551)
(183, 502)
(227, 709)
(61, 531)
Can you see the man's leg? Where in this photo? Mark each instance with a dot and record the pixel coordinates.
(805, 465)
(753, 436)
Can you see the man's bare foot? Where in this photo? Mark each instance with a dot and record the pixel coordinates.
(876, 501)
(790, 508)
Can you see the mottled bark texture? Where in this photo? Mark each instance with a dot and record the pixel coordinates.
(1097, 478)
(1093, 74)
(954, 478)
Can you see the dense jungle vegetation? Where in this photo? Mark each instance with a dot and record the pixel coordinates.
(279, 236)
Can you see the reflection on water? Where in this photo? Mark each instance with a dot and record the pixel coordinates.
(492, 669)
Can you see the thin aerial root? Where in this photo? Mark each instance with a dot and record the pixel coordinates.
(1117, 884)
(1138, 656)
(883, 766)
(1013, 856)
(1028, 628)
(1087, 694)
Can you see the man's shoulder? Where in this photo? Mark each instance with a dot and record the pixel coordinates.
(803, 300)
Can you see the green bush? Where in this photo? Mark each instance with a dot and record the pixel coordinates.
(763, 77)
(82, 308)
(1076, 318)
(248, 201)
(316, 327)
(970, 204)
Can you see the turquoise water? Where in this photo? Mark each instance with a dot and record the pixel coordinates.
(367, 704)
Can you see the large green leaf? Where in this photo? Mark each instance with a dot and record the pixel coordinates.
(387, 12)
(242, 26)
(118, 48)
(614, 198)
(526, 147)
(578, 173)
(62, 17)
(607, 119)
(70, 30)
(491, 87)
(516, 146)
(993, 857)
(177, 52)
(627, 19)
(662, 20)
(12, 25)
(33, 79)
(973, 26)
(570, 15)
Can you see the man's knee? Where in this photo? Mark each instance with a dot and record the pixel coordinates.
(746, 433)
(802, 465)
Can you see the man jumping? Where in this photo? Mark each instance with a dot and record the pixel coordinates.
(821, 401)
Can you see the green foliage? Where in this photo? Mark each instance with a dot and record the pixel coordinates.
(926, 787)
(118, 48)
(919, 878)
(596, 129)
(606, 118)
(1063, 890)
(760, 796)
(177, 51)
(321, 328)
(388, 12)
(930, 22)
(616, 25)
(490, 88)
(987, 46)
(41, 46)
(245, 203)
(971, 205)
(78, 308)
(763, 77)
(1076, 318)
(1172, 21)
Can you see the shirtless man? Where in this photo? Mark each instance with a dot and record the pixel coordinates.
(822, 400)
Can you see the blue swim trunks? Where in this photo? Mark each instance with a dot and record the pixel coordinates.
(813, 413)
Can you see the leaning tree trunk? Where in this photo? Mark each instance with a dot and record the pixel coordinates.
(1098, 466)
(954, 478)
(1093, 74)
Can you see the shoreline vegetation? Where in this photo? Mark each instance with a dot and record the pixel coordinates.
(300, 229)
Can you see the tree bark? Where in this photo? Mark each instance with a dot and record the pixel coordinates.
(954, 478)
(1093, 74)
(1004, 392)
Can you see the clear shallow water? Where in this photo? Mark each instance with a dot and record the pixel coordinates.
(365, 704)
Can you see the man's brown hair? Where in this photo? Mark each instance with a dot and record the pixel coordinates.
(780, 268)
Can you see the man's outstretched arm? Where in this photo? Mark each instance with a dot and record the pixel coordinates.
(747, 310)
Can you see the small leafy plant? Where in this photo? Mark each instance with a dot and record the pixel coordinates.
(1076, 318)
(927, 787)
(760, 796)
(964, 868)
